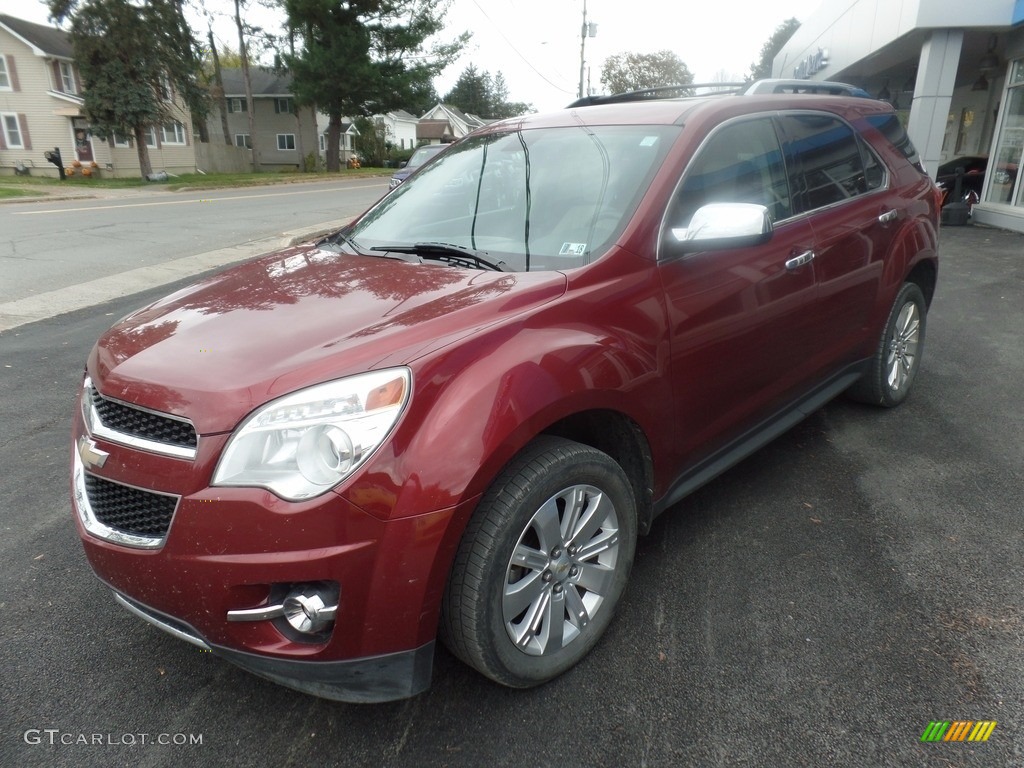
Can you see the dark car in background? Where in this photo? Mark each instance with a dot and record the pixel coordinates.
(451, 419)
(418, 158)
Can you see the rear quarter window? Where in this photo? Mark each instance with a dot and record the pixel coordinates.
(891, 128)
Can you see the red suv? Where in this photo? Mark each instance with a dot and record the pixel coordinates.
(453, 417)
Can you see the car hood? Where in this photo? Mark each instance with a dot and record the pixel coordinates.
(216, 350)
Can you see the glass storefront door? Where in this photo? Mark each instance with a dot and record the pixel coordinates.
(1004, 184)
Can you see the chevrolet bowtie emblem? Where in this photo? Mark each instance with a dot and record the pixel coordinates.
(90, 454)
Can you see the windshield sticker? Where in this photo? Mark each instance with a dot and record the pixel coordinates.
(649, 141)
(573, 249)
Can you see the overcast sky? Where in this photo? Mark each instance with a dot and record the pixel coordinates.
(535, 44)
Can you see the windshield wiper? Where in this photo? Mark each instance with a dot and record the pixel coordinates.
(453, 254)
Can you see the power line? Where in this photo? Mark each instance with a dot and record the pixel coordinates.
(520, 55)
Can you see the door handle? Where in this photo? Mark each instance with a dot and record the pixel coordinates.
(888, 216)
(798, 261)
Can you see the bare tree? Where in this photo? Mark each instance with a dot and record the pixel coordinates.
(217, 90)
(249, 106)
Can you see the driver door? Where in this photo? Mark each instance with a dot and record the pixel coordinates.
(740, 327)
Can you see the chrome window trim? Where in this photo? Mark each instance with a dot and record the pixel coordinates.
(102, 531)
(98, 429)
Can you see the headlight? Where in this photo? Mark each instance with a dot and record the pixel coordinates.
(302, 445)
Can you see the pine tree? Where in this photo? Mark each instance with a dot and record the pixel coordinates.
(364, 57)
(127, 54)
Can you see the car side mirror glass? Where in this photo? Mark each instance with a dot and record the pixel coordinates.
(402, 163)
(722, 225)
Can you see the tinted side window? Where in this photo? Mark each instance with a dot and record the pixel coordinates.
(890, 127)
(824, 156)
(740, 163)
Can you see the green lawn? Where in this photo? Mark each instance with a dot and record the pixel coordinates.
(11, 192)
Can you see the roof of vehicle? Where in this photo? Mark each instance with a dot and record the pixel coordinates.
(664, 106)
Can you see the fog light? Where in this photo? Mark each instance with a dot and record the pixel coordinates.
(307, 612)
(308, 608)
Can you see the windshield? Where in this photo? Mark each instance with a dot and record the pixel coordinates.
(548, 198)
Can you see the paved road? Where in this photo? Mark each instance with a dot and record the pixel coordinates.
(59, 255)
(817, 605)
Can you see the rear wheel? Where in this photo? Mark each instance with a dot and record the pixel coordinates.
(542, 564)
(898, 356)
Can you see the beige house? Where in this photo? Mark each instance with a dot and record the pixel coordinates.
(286, 136)
(41, 111)
(444, 123)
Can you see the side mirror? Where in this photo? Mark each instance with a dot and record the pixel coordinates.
(717, 226)
(402, 163)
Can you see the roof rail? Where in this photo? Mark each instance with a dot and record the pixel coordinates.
(757, 87)
(826, 87)
(660, 92)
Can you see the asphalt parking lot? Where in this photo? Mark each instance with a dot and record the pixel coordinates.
(818, 605)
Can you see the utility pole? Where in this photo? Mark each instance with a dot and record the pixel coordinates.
(587, 30)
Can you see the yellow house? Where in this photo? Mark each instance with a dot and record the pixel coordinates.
(41, 110)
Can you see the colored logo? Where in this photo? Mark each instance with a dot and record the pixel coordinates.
(958, 730)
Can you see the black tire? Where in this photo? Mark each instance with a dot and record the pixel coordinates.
(560, 564)
(894, 366)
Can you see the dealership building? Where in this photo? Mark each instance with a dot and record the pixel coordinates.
(954, 70)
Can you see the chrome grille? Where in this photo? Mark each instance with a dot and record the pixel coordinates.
(144, 424)
(129, 510)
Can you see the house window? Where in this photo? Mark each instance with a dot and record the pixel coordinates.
(323, 143)
(173, 133)
(286, 141)
(236, 105)
(165, 88)
(151, 137)
(5, 79)
(67, 78)
(119, 140)
(12, 131)
(283, 106)
(242, 140)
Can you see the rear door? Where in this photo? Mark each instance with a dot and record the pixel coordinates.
(843, 187)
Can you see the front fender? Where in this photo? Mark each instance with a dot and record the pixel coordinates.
(477, 403)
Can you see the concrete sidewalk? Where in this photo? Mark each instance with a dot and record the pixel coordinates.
(955, 242)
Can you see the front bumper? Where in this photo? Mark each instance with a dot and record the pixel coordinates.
(227, 550)
(363, 681)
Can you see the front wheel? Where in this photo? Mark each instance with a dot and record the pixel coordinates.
(888, 380)
(542, 564)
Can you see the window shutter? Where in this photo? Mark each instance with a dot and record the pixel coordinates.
(78, 79)
(26, 142)
(58, 81)
(3, 141)
(277, 107)
(12, 73)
